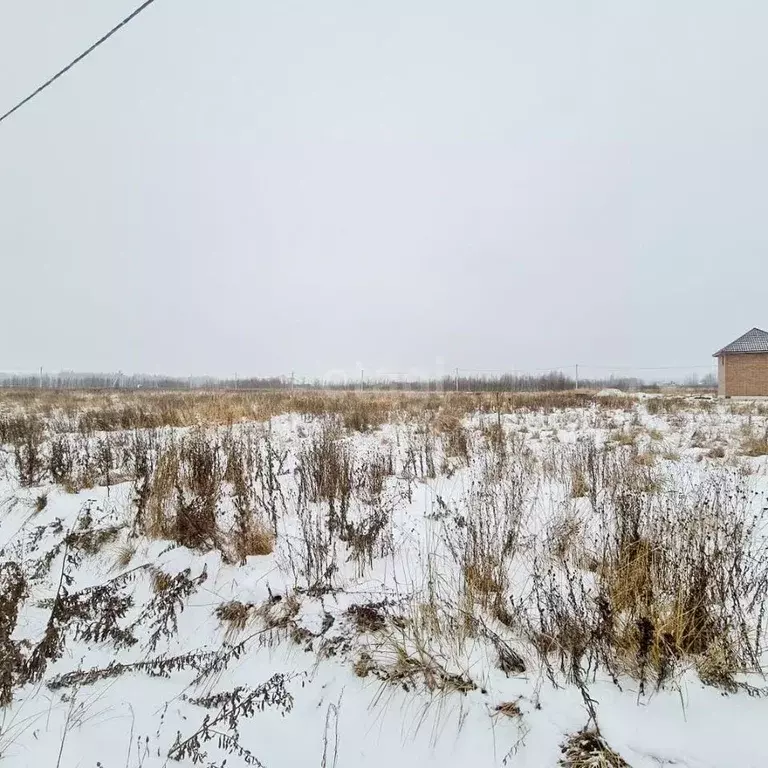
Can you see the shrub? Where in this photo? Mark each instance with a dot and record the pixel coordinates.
(28, 451)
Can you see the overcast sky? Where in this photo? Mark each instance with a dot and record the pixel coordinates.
(257, 187)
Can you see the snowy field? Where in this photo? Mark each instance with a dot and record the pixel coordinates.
(378, 580)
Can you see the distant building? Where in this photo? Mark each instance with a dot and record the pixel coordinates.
(742, 366)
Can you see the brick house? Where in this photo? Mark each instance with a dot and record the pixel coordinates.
(742, 366)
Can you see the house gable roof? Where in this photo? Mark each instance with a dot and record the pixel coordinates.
(752, 342)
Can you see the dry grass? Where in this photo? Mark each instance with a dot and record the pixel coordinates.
(509, 709)
(368, 618)
(90, 412)
(411, 668)
(363, 665)
(716, 666)
(623, 437)
(591, 558)
(588, 749)
(161, 581)
(91, 541)
(456, 436)
(663, 579)
(564, 536)
(482, 579)
(257, 541)
(629, 574)
(161, 494)
(279, 612)
(235, 615)
(125, 553)
(363, 414)
(755, 446)
(579, 484)
(644, 458)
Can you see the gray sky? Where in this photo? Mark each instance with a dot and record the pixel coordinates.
(259, 187)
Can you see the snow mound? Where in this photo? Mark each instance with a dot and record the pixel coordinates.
(611, 393)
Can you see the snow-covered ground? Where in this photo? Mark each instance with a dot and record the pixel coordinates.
(402, 616)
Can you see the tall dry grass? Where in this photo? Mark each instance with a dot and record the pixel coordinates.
(635, 572)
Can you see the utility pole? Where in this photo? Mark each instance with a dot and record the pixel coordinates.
(577, 375)
(41, 377)
(292, 380)
(362, 379)
(456, 379)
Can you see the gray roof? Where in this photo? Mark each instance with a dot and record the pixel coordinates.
(754, 341)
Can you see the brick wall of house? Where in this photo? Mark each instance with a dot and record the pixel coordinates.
(721, 376)
(744, 375)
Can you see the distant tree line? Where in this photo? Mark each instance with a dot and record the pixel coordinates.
(549, 382)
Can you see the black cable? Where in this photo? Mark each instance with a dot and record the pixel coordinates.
(79, 58)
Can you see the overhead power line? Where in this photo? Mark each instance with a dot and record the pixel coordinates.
(69, 66)
(524, 371)
(640, 368)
